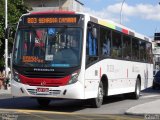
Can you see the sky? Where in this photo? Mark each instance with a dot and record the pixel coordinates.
(143, 16)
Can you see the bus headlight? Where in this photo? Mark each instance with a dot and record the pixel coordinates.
(16, 76)
(74, 77)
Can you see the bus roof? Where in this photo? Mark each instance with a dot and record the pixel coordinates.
(103, 22)
(53, 12)
(118, 27)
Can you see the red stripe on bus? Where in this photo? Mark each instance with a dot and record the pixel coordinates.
(100, 72)
(51, 82)
(125, 31)
(53, 12)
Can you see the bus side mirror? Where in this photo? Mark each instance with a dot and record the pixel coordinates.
(94, 32)
(7, 32)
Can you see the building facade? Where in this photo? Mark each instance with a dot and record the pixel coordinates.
(156, 52)
(39, 5)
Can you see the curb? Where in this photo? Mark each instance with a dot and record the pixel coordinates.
(136, 114)
(130, 111)
(143, 109)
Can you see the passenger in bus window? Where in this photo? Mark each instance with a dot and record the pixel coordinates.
(25, 47)
(92, 44)
(126, 49)
(38, 48)
(149, 53)
(116, 49)
(106, 45)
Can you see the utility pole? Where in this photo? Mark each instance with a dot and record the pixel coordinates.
(60, 7)
(6, 39)
(121, 11)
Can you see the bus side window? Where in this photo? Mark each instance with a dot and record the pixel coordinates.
(149, 53)
(91, 46)
(142, 45)
(126, 47)
(135, 49)
(105, 42)
(116, 45)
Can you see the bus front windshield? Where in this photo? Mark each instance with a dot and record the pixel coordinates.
(48, 47)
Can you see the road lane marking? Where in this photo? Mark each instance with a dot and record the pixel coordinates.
(116, 117)
(43, 118)
(83, 117)
(35, 111)
(78, 115)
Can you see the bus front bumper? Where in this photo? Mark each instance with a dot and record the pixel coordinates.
(73, 91)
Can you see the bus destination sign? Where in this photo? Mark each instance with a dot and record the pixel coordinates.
(51, 20)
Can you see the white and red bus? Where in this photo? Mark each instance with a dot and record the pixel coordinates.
(64, 54)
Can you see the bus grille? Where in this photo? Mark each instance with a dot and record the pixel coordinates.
(51, 92)
(42, 74)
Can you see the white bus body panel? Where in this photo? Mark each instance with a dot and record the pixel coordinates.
(121, 75)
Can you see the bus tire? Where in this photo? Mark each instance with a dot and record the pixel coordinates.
(43, 102)
(136, 94)
(98, 101)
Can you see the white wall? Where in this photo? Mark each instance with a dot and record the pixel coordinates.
(38, 5)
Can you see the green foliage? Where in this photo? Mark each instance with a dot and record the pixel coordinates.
(15, 9)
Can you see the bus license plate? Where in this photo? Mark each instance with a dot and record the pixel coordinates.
(43, 90)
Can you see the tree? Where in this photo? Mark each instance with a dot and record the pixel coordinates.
(15, 9)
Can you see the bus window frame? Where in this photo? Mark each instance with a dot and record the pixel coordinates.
(91, 59)
(101, 57)
(100, 48)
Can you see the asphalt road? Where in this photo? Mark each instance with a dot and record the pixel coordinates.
(114, 107)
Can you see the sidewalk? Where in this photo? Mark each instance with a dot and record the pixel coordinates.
(146, 108)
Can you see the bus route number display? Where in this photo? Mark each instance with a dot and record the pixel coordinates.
(51, 20)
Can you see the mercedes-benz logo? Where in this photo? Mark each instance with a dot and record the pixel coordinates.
(43, 83)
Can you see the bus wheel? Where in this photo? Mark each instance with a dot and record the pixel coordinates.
(136, 94)
(43, 102)
(97, 102)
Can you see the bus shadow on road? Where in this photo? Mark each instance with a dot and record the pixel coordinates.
(31, 104)
(56, 105)
(113, 99)
(151, 90)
